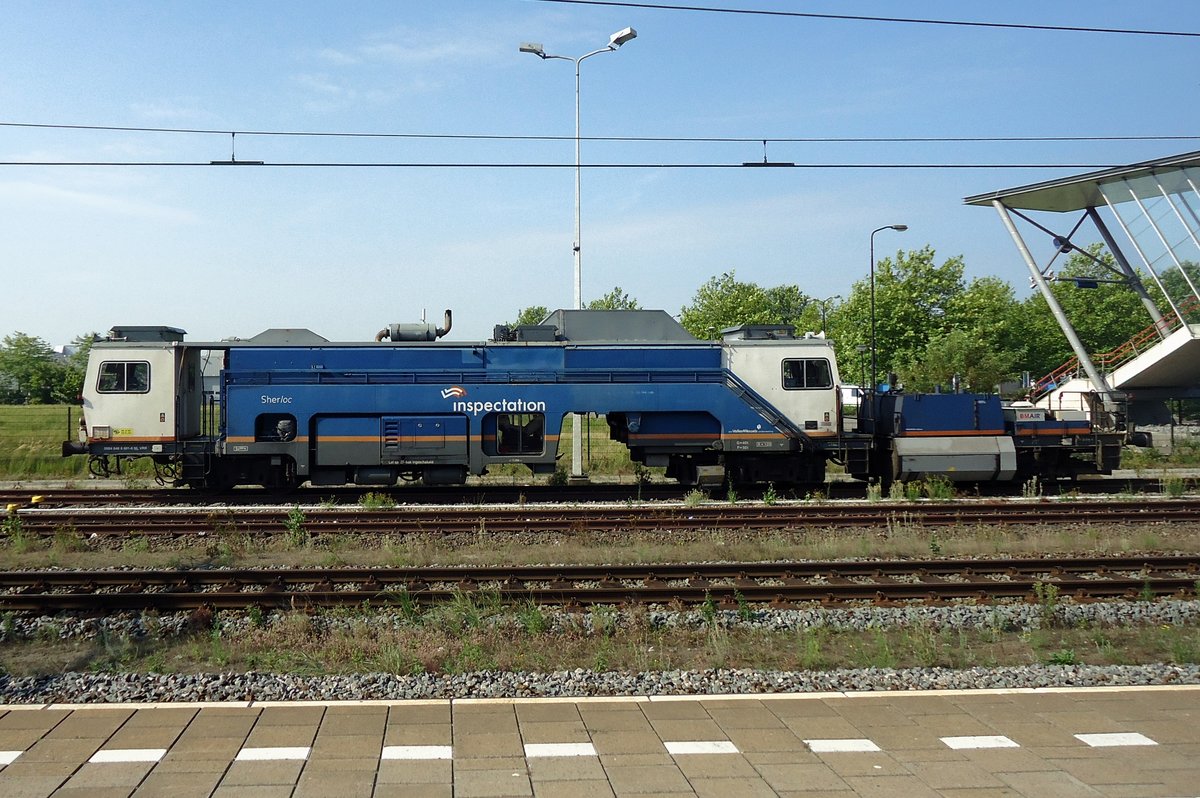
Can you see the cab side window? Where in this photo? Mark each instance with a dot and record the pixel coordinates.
(807, 373)
(523, 433)
(124, 377)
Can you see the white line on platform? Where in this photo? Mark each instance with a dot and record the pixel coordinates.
(679, 747)
(7, 757)
(706, 698)
(128, 755)
(533, 750)
(261, 754)
(840, 746)
(417, 752)
(1112, 740)
(981, 741)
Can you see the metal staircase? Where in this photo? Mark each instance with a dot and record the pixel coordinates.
(1121, 364)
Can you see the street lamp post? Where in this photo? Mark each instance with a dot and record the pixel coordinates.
(824, 305)
(899, 228)
(614, 42)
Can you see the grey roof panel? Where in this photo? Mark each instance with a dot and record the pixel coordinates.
(617, 325)
(1080, 191)
(292, 335)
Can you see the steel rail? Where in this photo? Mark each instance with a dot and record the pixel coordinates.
(493, 494)
(728, 585)
(409, 494)
(978, 567)
(107, 522)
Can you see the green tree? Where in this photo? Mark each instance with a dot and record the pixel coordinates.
(989, 310)
(71, 385)
(615, 299)
(29, 372)
(1179, 288)
(724, 301)
(982, 343)
(980, 366)
(1104, 317)
(534, 314)
(915, 302)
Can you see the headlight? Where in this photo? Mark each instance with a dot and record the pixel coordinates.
(103, 433)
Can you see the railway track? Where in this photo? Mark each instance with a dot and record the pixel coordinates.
(734, 585)
(482, 494)
(407, 495)
(318, 521)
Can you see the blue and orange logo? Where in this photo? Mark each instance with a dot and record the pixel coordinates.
(454, 392)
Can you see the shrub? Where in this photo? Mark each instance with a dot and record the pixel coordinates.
(294, 525)
(940, 488)
(376, 501)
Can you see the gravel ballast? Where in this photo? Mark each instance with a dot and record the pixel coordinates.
(257, 686)
(101, 688)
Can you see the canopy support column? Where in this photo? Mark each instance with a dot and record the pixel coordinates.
(1039, 280)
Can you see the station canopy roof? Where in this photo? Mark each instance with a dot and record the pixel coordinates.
(1085, 191)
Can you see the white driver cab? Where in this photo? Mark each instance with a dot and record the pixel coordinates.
(797, 376)
(141, 392)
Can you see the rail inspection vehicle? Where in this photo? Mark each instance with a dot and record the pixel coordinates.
(760, 406)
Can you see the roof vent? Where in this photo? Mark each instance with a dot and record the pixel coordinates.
(147, 334)
(759, 332)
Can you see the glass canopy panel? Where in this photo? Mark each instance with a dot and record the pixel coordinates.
(1159, 212)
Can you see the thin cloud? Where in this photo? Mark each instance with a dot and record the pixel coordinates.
(166, 111)
(410, 47)
(25, 194)
(322, 84)
(337, 57)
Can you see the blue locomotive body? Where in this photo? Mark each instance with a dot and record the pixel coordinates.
(759, 406)
(369, 414)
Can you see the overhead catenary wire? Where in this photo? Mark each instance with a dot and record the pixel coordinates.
(867, 18)
(547, 137)
(545, 165)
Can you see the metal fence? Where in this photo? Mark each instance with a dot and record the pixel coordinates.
(31, 439)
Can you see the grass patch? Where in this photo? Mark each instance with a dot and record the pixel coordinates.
(296, 533)
(31, 439)
(223, 543)
(376, 501)
(468, 634)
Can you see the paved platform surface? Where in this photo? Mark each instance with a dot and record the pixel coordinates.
(1122, 743)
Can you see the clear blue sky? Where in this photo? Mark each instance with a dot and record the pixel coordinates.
(226, 251)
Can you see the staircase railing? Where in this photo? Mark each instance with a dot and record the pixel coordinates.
(1108, 362)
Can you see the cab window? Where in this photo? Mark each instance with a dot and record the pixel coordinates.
(523, 433)
(124, 377)
(806, 373)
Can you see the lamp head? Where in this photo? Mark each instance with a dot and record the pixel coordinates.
(533, 47)
(900, 227)
(621, 36)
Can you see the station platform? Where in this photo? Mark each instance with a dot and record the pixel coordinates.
(1117, 742)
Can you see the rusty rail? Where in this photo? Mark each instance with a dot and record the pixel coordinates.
(729, 585)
